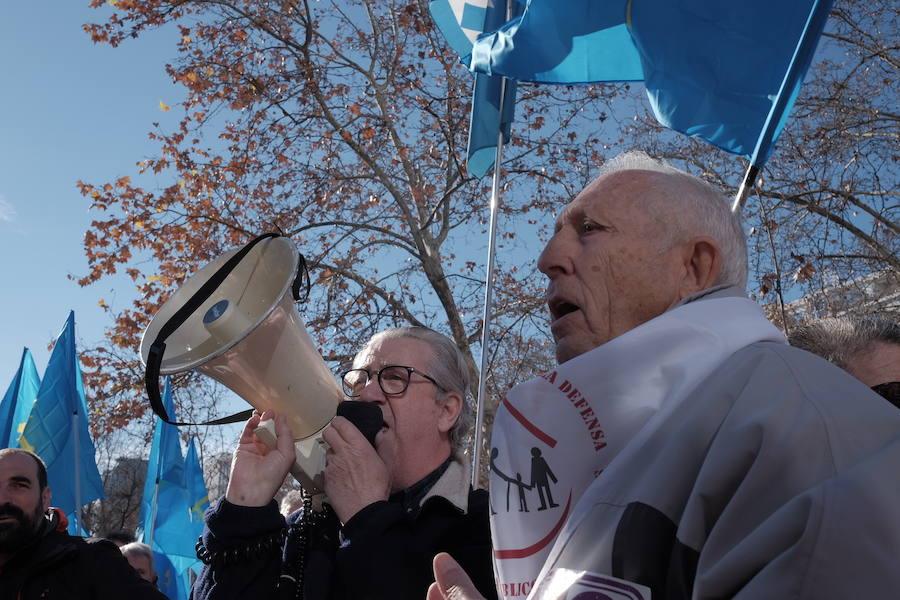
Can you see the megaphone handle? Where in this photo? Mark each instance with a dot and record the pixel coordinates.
(266, 434)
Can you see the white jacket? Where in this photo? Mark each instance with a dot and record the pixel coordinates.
(778, 477)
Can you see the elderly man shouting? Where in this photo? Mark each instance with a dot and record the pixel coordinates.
(392, 507)
(696, 454)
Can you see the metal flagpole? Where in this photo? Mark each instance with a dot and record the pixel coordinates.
(488, 293)
(77, 444)
(152, 526)
(744, 191)
(150, 529)
(815, 23)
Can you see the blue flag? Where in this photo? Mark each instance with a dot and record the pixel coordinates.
(175, 585)
(198, 497)
(725, 72)
(461, 22)
(57, 429)
(18, 400)
(575, 41)
(165, 522)
(487, 120)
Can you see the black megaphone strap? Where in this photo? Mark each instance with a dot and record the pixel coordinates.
(158, 347)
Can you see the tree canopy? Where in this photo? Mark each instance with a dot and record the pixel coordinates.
(344, 125)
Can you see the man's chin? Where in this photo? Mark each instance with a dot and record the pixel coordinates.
(16, 533)
(12, 537)
(567, 349)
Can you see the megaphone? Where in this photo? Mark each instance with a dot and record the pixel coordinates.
(248, 335)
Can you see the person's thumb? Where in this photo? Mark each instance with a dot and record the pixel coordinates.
(451, 582)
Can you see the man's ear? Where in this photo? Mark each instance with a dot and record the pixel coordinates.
(46, 495)
(450, 408)
(702, 261)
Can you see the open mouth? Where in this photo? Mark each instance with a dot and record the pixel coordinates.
(560, 308)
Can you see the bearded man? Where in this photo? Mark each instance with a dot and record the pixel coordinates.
(38, 559)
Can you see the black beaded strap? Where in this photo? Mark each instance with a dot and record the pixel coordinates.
(229, 556)
(301, 533)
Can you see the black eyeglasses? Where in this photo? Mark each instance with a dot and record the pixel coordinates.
(392, 379)
(890, 391)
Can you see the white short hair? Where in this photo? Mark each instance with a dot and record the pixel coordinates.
(706, 212)
(139, 549)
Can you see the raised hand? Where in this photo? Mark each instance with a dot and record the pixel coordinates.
(451, 582)
(355, 476)
(256, 471)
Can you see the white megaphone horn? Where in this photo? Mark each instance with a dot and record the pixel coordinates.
(235, 321)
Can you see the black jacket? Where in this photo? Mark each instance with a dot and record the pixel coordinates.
(383, 553)
(57, 566)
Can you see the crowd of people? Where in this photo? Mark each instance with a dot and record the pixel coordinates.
(692, 452)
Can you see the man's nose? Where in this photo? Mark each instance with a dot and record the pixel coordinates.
(555, 260)
(371, 392)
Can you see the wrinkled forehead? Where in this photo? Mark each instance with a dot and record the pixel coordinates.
(879, 362)
(380, 351)
(616, 194)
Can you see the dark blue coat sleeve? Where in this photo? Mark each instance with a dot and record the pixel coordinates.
(255, 576)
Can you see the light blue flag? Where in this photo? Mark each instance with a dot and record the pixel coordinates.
(725, 72)
(574, 41)
(198, 497)
(170, 582)
(18, 400)
(487, 120)
(165, 522)
(57, 430)
(461, 21)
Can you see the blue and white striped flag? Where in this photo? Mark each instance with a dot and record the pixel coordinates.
(461, 22)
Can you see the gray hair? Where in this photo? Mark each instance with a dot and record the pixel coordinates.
(292, 502)
(838, 339)
(705, 212)
(448, 367)
(139, 549)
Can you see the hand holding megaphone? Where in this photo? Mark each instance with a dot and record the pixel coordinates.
(354, 474)
(258, 468)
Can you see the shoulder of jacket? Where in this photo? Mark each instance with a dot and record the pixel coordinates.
(478, 498)
(90, 551)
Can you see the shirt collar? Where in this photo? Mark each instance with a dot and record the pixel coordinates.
(450, 481)
(717, 291)
(411, 498)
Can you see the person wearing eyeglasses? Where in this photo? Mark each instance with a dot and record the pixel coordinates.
(867, 347)
(393, 506)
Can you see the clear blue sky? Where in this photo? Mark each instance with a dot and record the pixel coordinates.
(69, 110)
